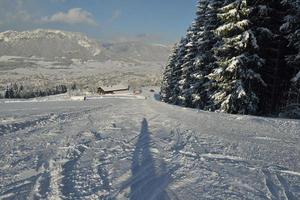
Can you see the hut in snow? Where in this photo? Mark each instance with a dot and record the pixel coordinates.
(102, 90)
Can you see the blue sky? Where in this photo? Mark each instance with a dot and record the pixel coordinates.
(150, 20)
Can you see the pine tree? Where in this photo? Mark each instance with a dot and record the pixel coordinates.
(167, 86)
(268, 17)
(9, 93)
(198, 54)
(204, 39)
(237, 61)
(238, 56)
(177, 74)
(291, 29)
(187, 69)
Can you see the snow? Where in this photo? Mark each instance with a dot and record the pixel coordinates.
(234, 64)
(263, 10)
(241, 92)
(242, 25)
(59, 97)
(296, 78)
(285, 26)
(86, 43)
(160, 45)
(97, 52)
(291, 173)
(114, 148)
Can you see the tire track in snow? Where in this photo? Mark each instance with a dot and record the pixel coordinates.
(189, 146)
(42, 185)
(75, 177)
(41, 188)
(34, 187)
(43, 121)
(19, 189)
(286, 188)
(68, 182)
(13, 127)
(271, 186)
(104, 187)
(277, 186)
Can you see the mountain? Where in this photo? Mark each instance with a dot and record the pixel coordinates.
(48, 44)
(55, 43)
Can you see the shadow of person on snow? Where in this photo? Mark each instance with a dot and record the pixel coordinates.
(150, 178)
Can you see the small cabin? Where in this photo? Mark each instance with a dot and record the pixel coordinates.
(102, 90)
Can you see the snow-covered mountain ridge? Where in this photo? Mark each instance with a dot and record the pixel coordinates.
(11, 36)
(47, 43)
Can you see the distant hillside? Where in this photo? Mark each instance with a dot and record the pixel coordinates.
(47, 44)
(135, 51)
(55, 43)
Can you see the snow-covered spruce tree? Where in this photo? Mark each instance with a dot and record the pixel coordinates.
(291, 29)
(9, 93)
(186, 76)
(267, 17)
(170, 89)
(167, 87)
(239, 57)
(187, 69)
(195, 58)
(198, 57)
(204, 39)
(238, 62)
(177, 73)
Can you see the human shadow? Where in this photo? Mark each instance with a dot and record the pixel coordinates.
(150, 177)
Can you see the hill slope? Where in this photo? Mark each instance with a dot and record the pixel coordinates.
(143, 149)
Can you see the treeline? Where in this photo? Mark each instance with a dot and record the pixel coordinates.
(25, 92)
(238, 56)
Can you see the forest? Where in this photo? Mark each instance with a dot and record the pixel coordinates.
(16, 91)
(239, 57)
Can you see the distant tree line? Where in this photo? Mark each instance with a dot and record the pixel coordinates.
(238, 56)
(25, 92)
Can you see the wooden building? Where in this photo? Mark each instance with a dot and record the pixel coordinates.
(112, 89)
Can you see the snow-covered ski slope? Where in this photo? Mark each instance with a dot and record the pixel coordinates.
(142, 149)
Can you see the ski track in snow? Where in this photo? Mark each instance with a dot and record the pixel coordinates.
(144, 149)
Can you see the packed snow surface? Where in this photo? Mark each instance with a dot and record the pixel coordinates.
(139, 149)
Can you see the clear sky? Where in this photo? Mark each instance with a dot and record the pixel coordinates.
(154, 20)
